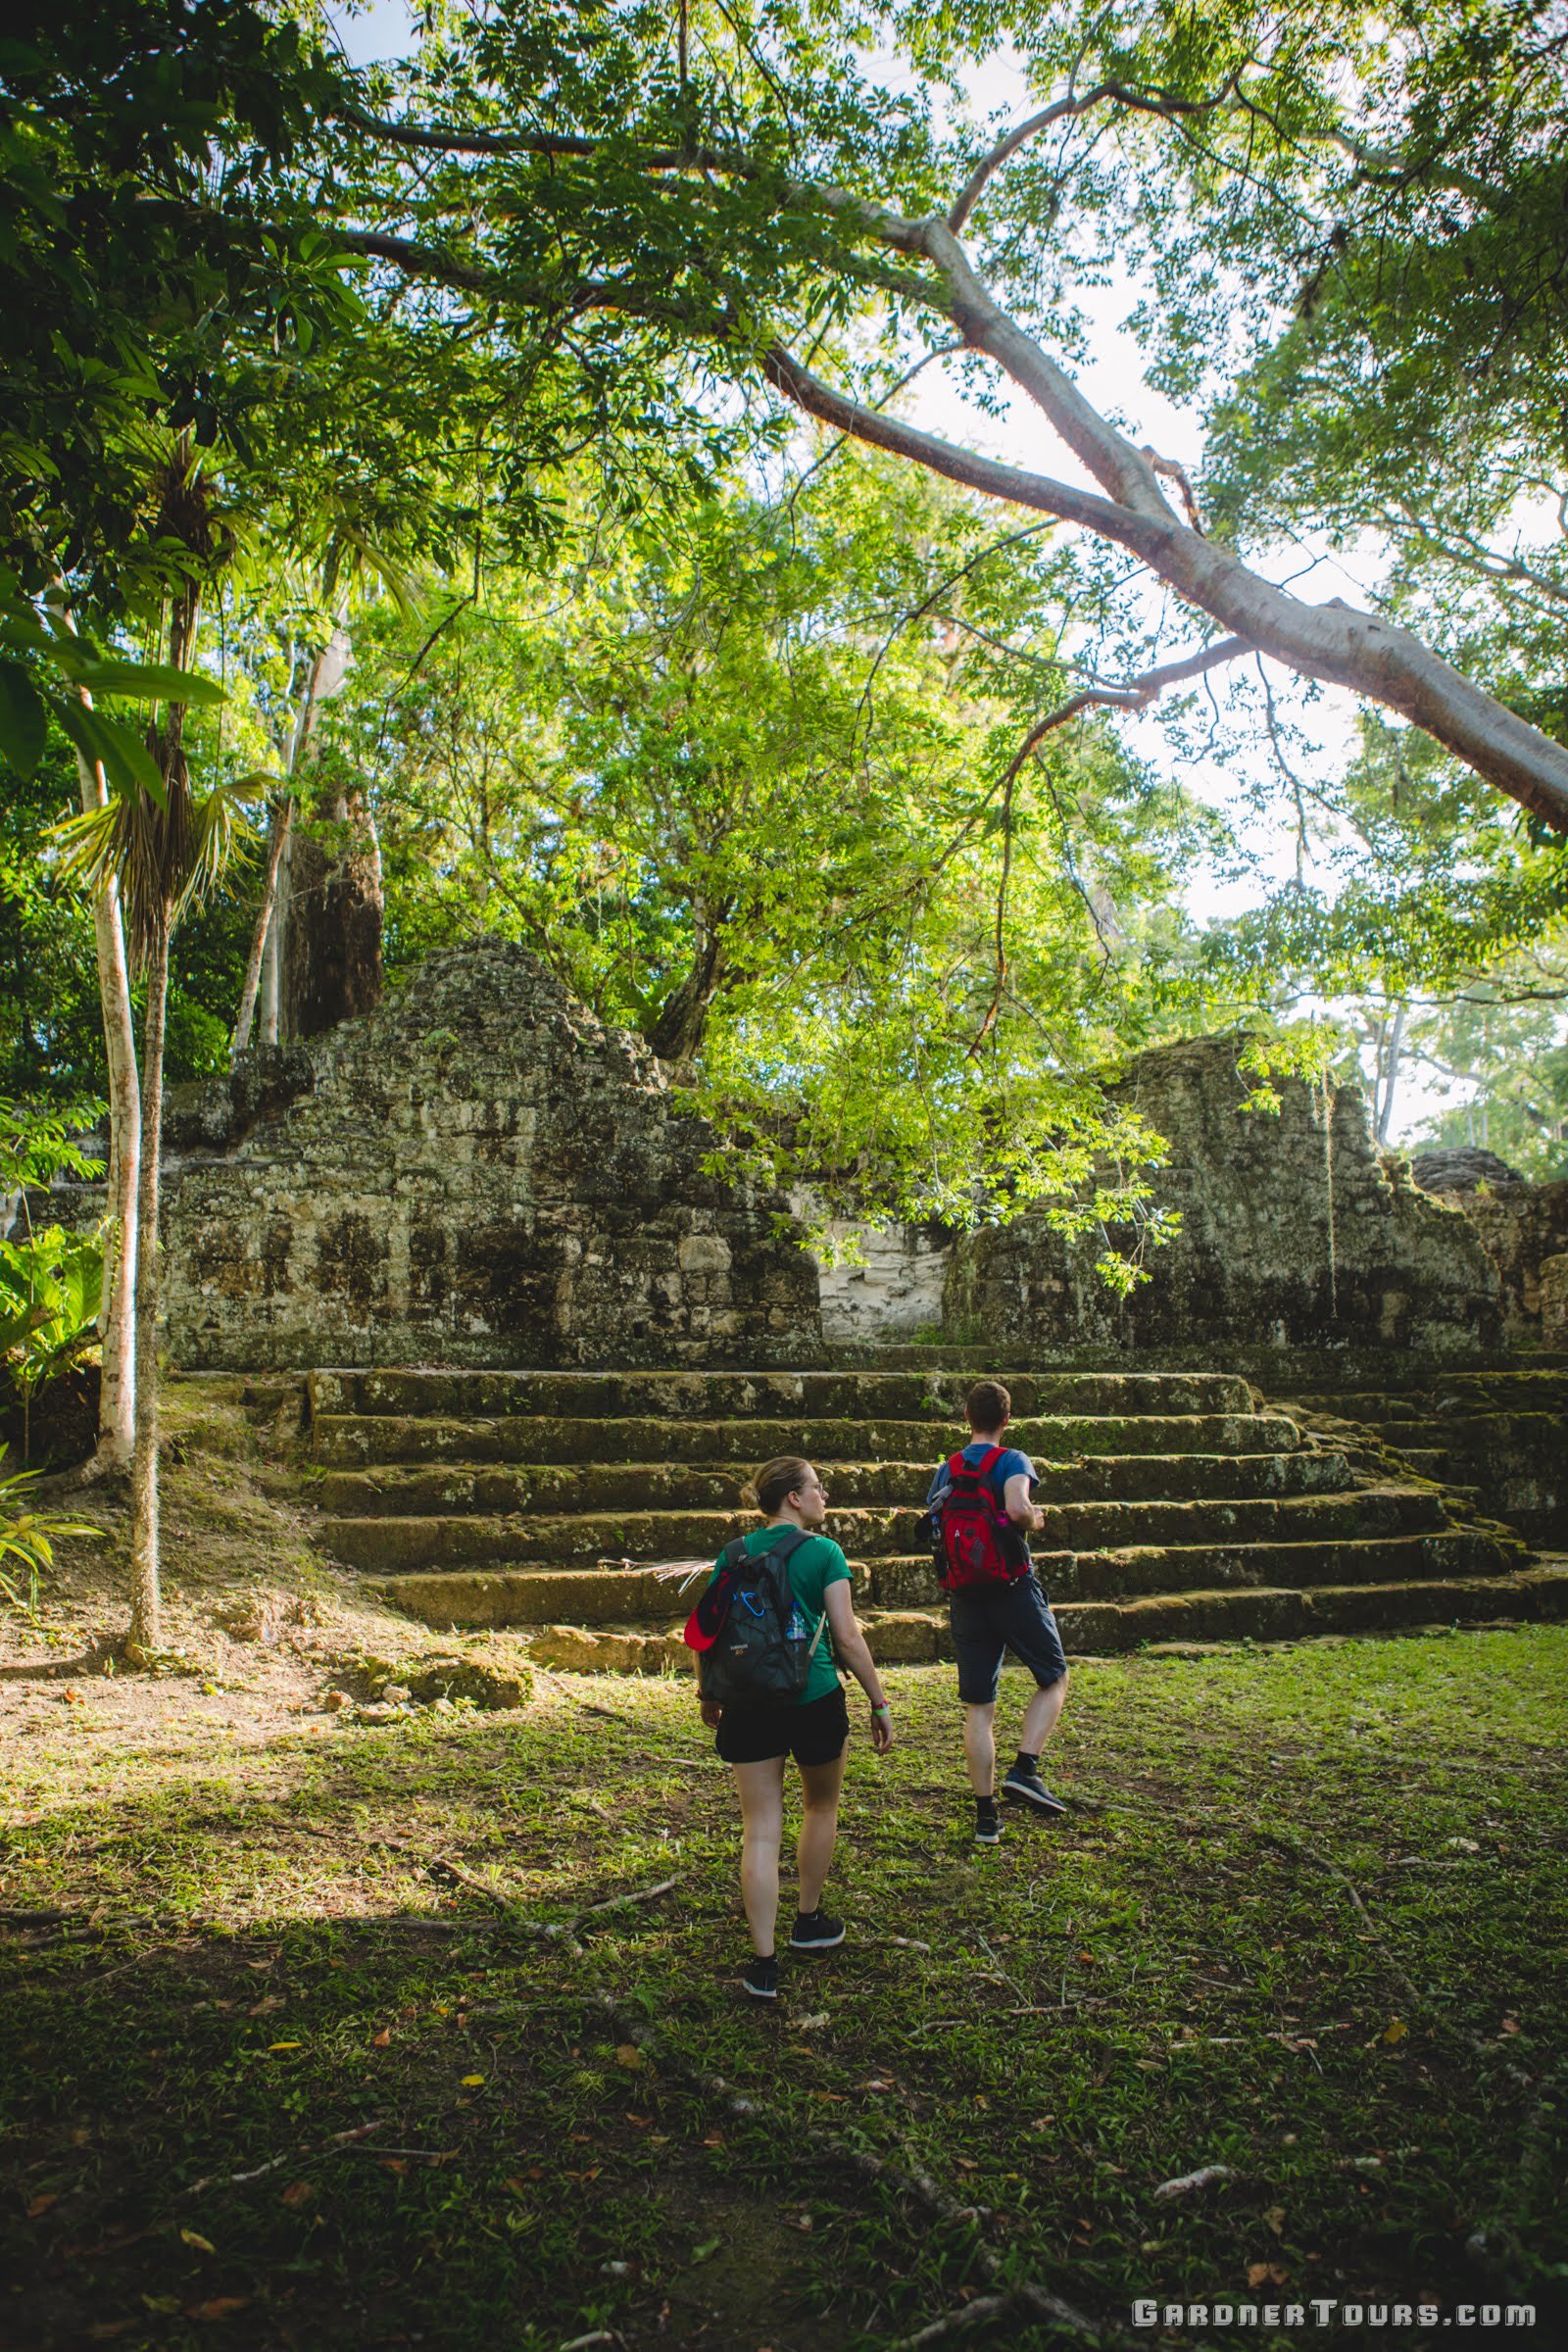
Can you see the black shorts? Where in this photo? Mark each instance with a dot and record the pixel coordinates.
(990, 1620)
(812, 1735)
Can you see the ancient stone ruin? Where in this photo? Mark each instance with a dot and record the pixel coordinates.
(541, 1337)
(479, 1172)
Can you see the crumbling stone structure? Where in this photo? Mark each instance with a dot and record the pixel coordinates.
(1523, 1228)
(480, 1173)
(1291, 1236)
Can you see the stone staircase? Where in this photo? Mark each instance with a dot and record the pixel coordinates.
(1176, 1508)
(1497, 1436)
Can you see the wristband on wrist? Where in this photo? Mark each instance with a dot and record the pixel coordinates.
(883, 1709)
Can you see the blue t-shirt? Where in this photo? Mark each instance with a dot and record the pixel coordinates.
(1010, 1463)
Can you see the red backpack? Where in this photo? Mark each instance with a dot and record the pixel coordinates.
(976, 1542)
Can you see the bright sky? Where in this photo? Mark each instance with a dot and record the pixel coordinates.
(1324, 722)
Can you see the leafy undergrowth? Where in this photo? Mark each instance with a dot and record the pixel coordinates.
(276, 2076)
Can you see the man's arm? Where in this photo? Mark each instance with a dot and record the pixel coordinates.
(1019, 1508)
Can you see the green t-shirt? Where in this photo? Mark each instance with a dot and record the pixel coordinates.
(810, 1567)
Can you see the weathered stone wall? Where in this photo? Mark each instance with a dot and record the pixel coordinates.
(1524, 1230)
(1284, 1245)
(477, 1173)
(879, 1283)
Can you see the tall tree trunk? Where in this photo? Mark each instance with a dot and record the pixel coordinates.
(1390, 1059)
(272, 953)
(331, 945)
(325, 678)
(117, 1317)
(677, 1033)
(282, 818)
(146, 1601)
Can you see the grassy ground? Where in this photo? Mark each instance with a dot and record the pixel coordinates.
(276, 2075)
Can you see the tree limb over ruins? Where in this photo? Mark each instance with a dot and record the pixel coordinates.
(755, 260)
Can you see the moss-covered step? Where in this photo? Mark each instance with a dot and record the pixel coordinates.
(392, 1546)
(1216, 1484)
(924, 1396)
(907, 1581)
(358, 1440)
(1381, 1510)
(403, 1492)
(583, 1623)
(541, 1597)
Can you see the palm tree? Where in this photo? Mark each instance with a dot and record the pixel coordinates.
(165, 847)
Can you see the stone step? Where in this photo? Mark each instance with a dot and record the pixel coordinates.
(907, 1581)
(401, 1491)
(499, 1592)
(387, 1544)
(1266, 1614)
(920, 1395)
(1458, 1397)
(597, 1634)
(1383, 1510)
(351, 1441)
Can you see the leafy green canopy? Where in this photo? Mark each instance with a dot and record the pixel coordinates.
(751, 787)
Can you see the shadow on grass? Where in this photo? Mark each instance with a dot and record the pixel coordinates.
(1304, 1927)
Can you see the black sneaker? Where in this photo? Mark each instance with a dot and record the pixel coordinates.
(761, 1979)
(1028, 1788)
(987, 1826)
(815, 1932)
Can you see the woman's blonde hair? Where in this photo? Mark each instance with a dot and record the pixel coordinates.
(775, 1483)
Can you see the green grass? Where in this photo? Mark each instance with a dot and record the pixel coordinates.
(1257, 1942)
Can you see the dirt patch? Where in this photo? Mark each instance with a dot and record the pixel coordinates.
(261, 1633)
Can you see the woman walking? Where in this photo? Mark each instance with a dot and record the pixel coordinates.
(756, 1733)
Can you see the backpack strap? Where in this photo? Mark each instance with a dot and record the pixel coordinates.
(955, 1464)
(988, 1462)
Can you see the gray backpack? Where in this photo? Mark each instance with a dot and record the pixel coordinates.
(763, 1649)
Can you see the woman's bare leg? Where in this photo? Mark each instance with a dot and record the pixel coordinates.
(820, 1827)
(762, 1795)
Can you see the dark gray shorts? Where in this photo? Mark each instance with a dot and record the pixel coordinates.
(988, 1623)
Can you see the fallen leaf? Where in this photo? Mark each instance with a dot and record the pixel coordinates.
(1396, 2029)
(1275, 2218)
(629, 2056)
(298, 2192)
(471, 2081)
(1510, 2025)
(381, 2040)
(267, 2002)
(834, 2098)
(219, 2308)
(701, 2253)
(642, 2122)
(42, 2202)
(809, 2025)
(519, 2188)
(714, 2139)
(394, 2163)
(194, 2237)
(1266, 2273)
(283, 2046)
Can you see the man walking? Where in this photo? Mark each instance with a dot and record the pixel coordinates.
(995, 1613)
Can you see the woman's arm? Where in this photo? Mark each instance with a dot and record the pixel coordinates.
(850, 1644)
